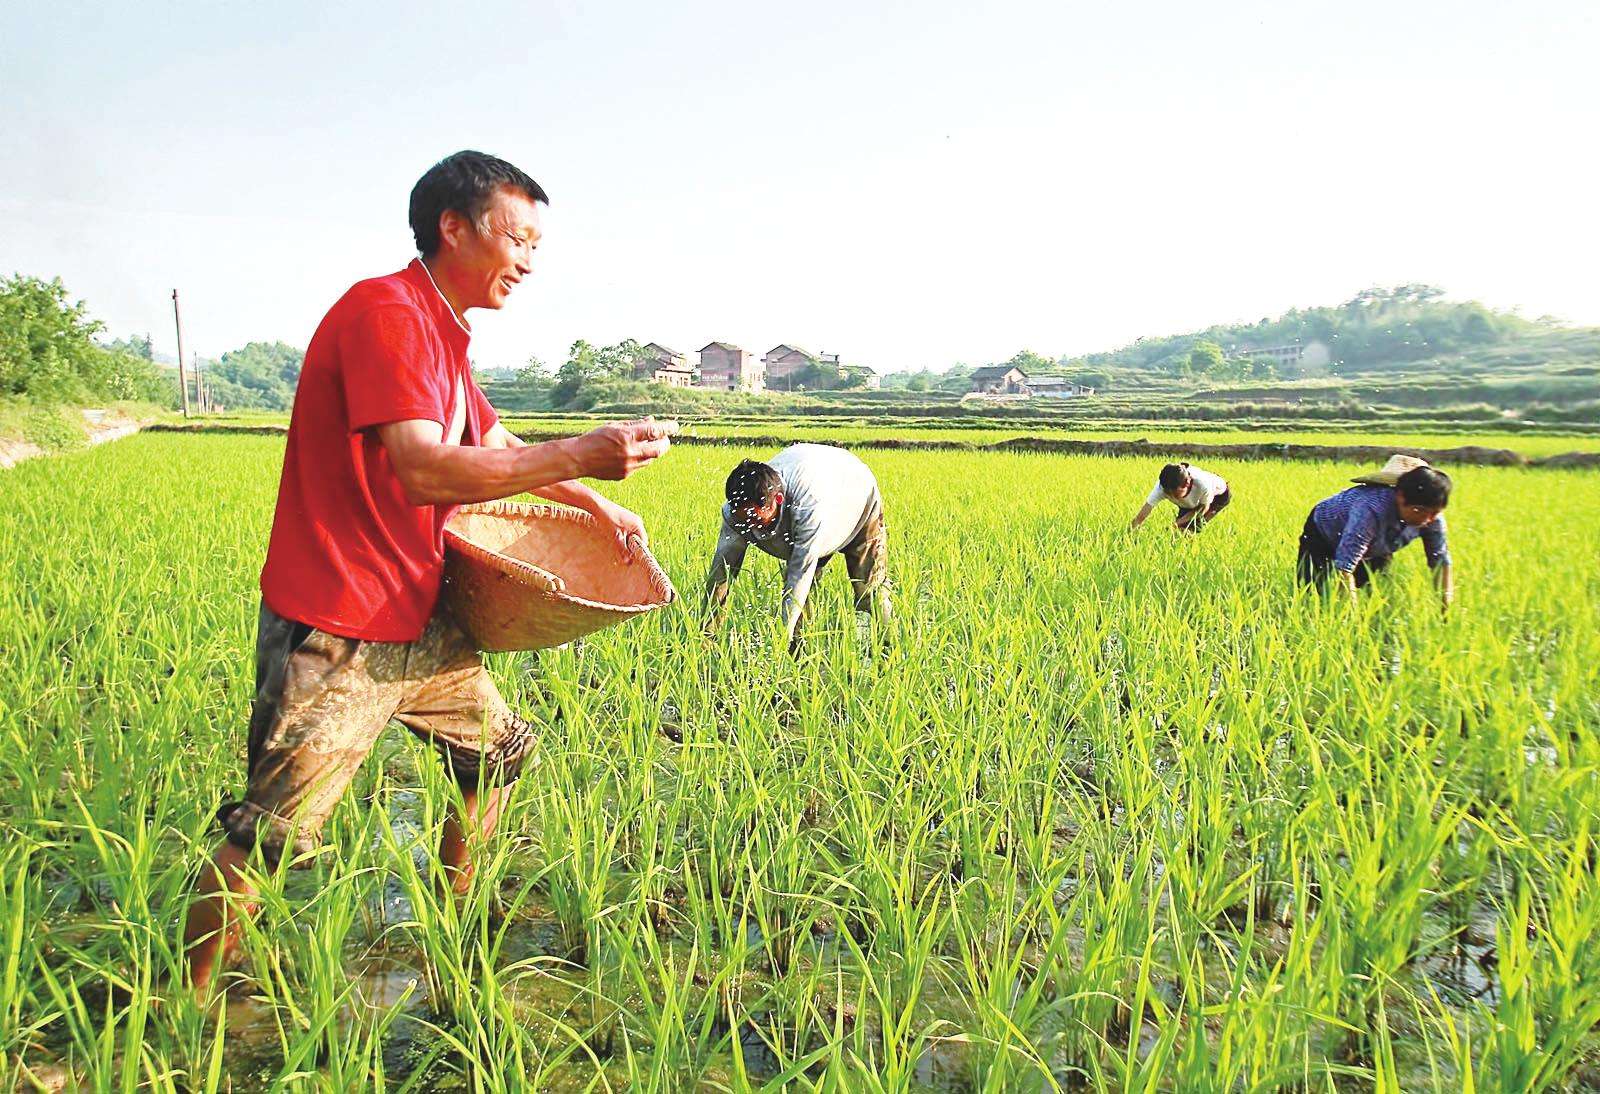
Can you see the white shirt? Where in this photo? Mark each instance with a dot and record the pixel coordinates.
(1203, 488)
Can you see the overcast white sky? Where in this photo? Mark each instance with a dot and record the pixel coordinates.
(905, 185)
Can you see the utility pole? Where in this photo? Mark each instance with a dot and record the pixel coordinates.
(183, 377)
(199, 387)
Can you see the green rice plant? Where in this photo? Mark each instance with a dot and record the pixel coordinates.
(21, 898)
(1099, 810)
(1380, 882)
(1007, 991)
(578, 840)
(1549, 1006)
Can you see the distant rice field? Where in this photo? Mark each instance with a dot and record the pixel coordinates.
(1533, 445)
(1107, 811)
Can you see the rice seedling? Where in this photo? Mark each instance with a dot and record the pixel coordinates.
(1094, 811)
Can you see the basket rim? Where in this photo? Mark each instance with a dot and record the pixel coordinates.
(551, 584)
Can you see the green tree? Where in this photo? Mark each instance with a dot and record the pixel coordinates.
(1260, 368)
(535, 375)
(578, 369)
(958, 377)
(622, 361)
(1030, 362)
(1206, 359)
(587, 365)
(258, 375)
(530, 387)
(138, 345)
(48, 351)
(1376, 328)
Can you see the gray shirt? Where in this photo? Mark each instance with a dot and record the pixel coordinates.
(828, 497)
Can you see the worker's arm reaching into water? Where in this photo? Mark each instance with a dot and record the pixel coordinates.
(1445, 582)
(799, 574)
(725, 566)
(1199, 496)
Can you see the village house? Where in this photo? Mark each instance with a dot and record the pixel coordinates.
(1056, 387)
(868, 377)
(1309, 358)
(726, 367)
(999, 380)
(664, 366)
(783, 362)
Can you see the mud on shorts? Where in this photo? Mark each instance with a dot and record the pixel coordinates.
(321, 702)
(866, 560)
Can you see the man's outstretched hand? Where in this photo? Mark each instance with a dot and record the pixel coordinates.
(616, 451)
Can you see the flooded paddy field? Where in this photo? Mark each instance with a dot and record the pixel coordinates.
(1097, 811)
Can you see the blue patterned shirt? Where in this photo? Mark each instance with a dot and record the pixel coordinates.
(1365, 524)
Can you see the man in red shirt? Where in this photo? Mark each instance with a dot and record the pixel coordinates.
(389, 434)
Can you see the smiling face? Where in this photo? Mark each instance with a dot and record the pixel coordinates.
(487, 258)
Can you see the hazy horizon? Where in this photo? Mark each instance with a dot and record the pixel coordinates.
(904, 187)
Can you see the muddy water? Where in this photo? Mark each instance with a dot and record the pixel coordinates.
(1457, 962)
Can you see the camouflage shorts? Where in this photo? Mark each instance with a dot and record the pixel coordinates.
(321, 702)
(866, 560)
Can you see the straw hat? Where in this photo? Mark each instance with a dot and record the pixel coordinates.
(527, 577)
(1390, 474)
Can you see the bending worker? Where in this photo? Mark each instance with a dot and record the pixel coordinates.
(1199, 496)
(1356, 532)
(808, 503)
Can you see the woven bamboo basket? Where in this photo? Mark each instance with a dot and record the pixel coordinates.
(527, 577)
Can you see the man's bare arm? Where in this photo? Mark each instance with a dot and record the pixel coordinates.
(567, 492)
(798, 575)
(629, 527)
(501, 437)
(435, 473)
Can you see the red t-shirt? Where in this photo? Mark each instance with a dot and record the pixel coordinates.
(349, 554)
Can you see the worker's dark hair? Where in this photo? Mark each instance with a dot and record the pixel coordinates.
(463, 182)
(1425, 486)
(753, 483)
(1173, 476)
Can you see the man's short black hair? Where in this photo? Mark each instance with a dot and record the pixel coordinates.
(463, 182)
(1425, 486)
(1173, 476)
(753, 483)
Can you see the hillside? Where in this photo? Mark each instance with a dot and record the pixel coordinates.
(1378, 332)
